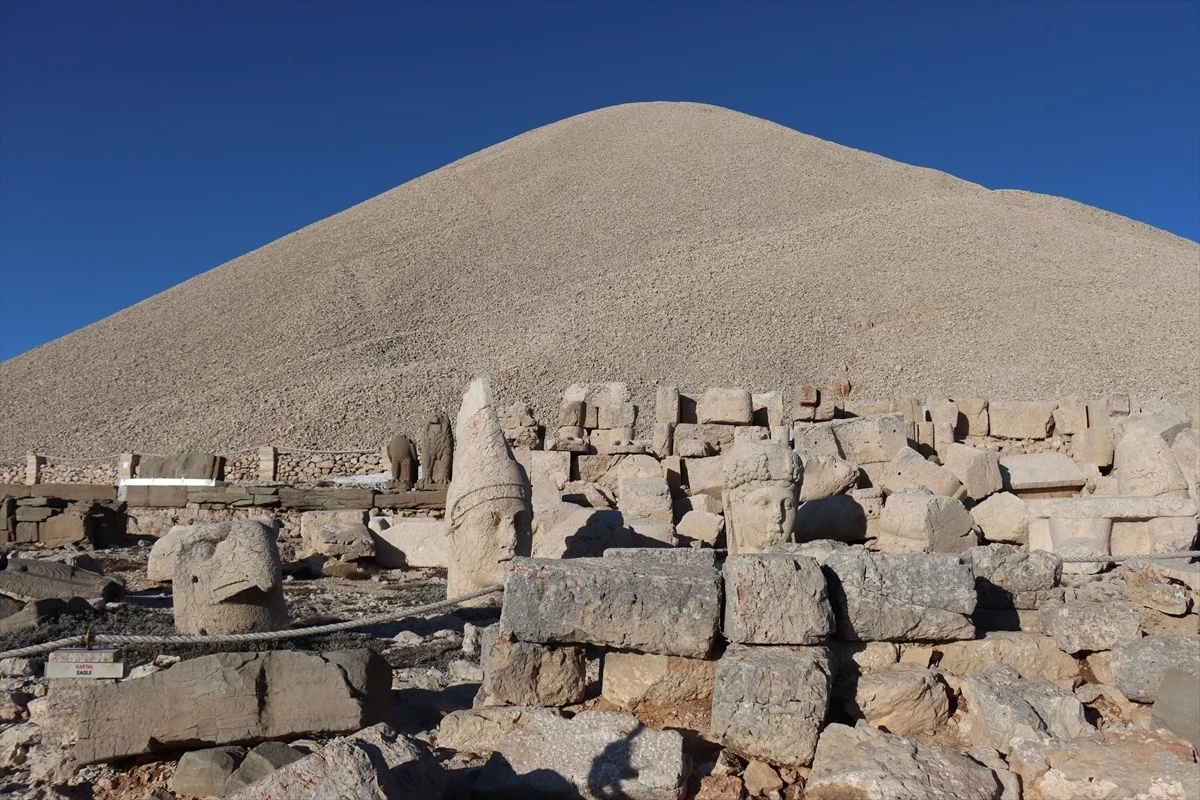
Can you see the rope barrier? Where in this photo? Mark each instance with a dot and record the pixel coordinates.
(1170, 555)
(263, 636)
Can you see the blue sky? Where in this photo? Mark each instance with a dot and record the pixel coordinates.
(143, 143)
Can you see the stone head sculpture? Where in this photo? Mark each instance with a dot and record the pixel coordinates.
(762, 487)
(488, 509)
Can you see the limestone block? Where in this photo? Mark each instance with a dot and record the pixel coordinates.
(693, 448)
(259, 763)
(908, 468)
(234, 697)
(770, 702)
(1033, 471)
(616, 415)
(567, 440)
(663, 439)
(582, 532)
(1081, 537)
(829, 399)
(869, 440)
(645, 499)
(973, 417)
(1070, 417)
(725, 407)
(900, 597)
(705, 476)
(1015, 420)
(527, 674)
(868, 764)
(594, 755)
(1186, 450)
(588, 494)
(825, 475)
(1032, 655)
(1139, 664)
(852, 517)
(234, 585)
(594, 395)
(977, 470)
(203, 773)
(768, 409)
(702, 526)
(632, 680)
(670, 609)
(858, 407)
(548, 473)
(64, 529)
(478, 730)
(751, 433)
(1003, 705)
(1003, 517)
(775, 598)
(411, 542)
(666, 405)
(572, 414)
(704, 502)
(1151, 585)
(919, 522)
(40, 579)
(943, 412)
(1145, 466)
(1177, 707)
(345, 541)
(718, 437)
(1094, 446)
(1009, 576)
(605, 441)
(1079, 626)
(906, 699)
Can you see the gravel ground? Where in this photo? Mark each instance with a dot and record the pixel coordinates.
(655, 242)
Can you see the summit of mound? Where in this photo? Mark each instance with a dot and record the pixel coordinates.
(652, 242)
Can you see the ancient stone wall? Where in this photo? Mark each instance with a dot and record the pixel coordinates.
(300, 466)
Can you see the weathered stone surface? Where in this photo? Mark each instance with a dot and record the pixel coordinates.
(1079, 626)
(702, 526)
(584, 532)
(1016, 420)
(259, 763)
(825, 475)
(775, 598)
(1152, 585)
(527, 674)
(588, 494)
(1032, 655)
(193, 464)
(852, 517)
(718, 437)
(488, 504)
(705, 476)
(1070, 417)
(203, 773)
(635, 679)
(1186, 450)
(376, 763)
(725, 407)
(595, 755)
(1002, 706)
(861, 440)
(410, 542)
(1008, 576)
(769, 702)
(478, 730)
(1034, 471)
(1177, 707)
(234, 585)
(908, 468)
(1145, 466)
(1107, 765)
(762, 487)
(339, 538)
(670, 609)
(906, 699)
(868, 764)
(900, 597)
(977, 470)
(1003, 517)
(30, 579)
(645, 498)
(915, 521)
(1139, 664)
(666, 405)
(1094, 446)
(234, 697)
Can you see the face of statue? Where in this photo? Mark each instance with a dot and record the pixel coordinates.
(765, 517)
(492, 534)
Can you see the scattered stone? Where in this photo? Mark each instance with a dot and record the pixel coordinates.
(906, 699)
(1003, 517)
(1094, 446)
(724, 406)
(1138, 665)
(44, 580)
(478, 730)
(1144, 464)
(775, 598)
(527, 674)
(635, 679)
(1149, 585)
(702, 526)
(977, 470)
(1004, 706)
(720, 787)
(204, 773)
(1080, 626)
(1032, 655)
(917, 521)
(259, 763)
(760, 778)
(908, 468)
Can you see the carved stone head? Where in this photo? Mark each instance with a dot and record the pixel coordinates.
(762, 487)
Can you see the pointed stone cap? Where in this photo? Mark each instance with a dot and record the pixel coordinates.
(484, 469)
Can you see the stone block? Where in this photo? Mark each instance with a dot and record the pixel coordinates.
(770, 702)
(705, 476)
(527, 674)
(920, 522)
(645, 499)
(478, 730)
(1077, 627)
(775, 598)
(411, 542)
(1010, 576)
(900, 597)
(605, 441)
(181, 465)
(259, 763)
(666, 405)
(768, 409)
(29, 579)
(702, 526)
(1139, 664)
(1177, 707)
(1094, 446)
(203, 773)
(977, 470)
(851, 518)
(908, 468)
(825, 475)
(66, 528)
(632, 680)
(1016, 420)
(667, 609)
(943, 411)
(906, 699)
(616, 415)
(724, 407)
(1004, 706)
(229, 698)
(345, 541)
(1003, 517)
(1145, 466)
(1038, 471)
(1072, 538)
(1032, 655)
(1186, 450)
(865, 440)
(549, 471)
(718, 437)
(973, 417)
(663, 439)
(572, 414)
(592, 756)
(1070, 417)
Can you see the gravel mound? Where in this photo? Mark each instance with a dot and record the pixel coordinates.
(652, 242)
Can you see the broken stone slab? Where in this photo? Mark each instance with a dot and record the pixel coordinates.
(1145, 466)
(203, 773)
(35, 612)
(972, 417)
(825, 475)
(260, 762)
(702, 526)
(718, 437)
(29, 579)
(1018, 420)
(346, 541)
(1177, 707)
(867, 440)
(631, 680)
(527, 674)
(583, 532)
(868, 764)
(1156, 586)
(593, 756)
(775, 598)
(906, 699)
(879, 597)
(851, 518)
(1094, 446)
(1037, 472)
(1003, 517)
(1077, 627)
(1139, 664)
(376, 763)
(977, 470)
(1032, 655)
(645, 498)
(1002, 706)
(653, 607)
(909, 468)
(402, 542)
(705, 476)
(917, 521)
(1008, 576)
(770, 702)
(477, 730)
(1070, 417)
(232, 698)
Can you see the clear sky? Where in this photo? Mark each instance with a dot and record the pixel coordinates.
(143, 143)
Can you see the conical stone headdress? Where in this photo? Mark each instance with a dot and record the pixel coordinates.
(484, 469)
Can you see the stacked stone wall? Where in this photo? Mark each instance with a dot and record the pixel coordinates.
(302, 466)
